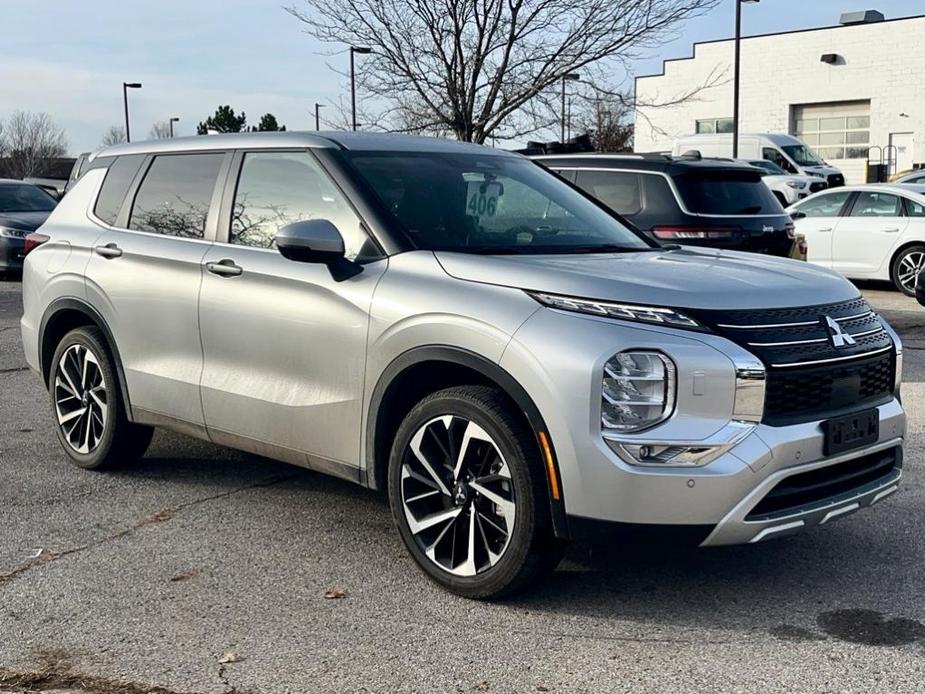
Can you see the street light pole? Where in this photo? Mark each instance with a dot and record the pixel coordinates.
(125, 87)
(735, 78)
(318, 116)
(362, 50)
(568, 76)
(172, 121)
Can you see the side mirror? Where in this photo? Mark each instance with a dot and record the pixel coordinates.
(311, 241)
(796, 214)
(920, 288)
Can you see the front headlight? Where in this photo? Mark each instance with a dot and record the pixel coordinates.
(638, 391)
(799, 185)
(633, 312)
(13, 233)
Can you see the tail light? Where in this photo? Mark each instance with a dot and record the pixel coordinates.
(33, 241)
(680, 233)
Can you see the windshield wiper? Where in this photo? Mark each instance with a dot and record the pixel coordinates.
(609, 248)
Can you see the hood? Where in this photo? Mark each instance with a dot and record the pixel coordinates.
(685, 278)
(787, 178)
(29, 221)
(822, 169)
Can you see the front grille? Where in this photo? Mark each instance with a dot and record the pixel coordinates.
(808, 377)
(816, 186)
(817, 487)
(836, 180)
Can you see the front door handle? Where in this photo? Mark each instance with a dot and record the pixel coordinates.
(224, 268)
(891, 230)
(110, 250)
(824, 229)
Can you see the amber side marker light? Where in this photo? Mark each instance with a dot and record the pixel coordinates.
(550, 465)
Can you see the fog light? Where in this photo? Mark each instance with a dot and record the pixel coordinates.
(637, 391)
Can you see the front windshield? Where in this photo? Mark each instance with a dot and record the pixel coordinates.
(19, 197)
(475, 203)
(768, 166)
(802, 155)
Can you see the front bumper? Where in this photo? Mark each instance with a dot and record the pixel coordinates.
(11, 253)
(716, 499)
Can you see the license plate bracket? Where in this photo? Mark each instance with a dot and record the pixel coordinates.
(851, 431)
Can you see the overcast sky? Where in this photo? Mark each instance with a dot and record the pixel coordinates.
(70, 57)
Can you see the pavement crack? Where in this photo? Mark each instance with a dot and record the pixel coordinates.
(13, 370)
(51, 680)
(165, 514)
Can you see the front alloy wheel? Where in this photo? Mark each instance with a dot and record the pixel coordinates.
(457, 495)
(468, 493)
(907, 268)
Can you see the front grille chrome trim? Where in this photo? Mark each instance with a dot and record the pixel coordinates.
(792, 343)
(791, 365)
(801, 324)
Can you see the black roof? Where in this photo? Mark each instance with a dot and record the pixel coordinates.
(664, 163)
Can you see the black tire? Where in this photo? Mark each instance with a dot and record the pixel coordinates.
(120, 442)
(531, 549)
(904, 257)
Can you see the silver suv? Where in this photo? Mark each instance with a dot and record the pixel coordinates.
(513, 363)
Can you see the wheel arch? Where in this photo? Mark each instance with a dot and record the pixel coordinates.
(69, 313)
(423, 370)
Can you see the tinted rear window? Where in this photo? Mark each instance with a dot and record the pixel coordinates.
(175, 195)
(620, 191)
(22, 197)
(115, 186)
(726, 192)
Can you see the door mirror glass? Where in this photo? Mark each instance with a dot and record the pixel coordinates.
(311, 241)
(796, 214)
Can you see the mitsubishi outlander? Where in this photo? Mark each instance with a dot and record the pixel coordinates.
(510, 361)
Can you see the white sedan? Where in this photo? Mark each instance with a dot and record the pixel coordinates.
(872, 231)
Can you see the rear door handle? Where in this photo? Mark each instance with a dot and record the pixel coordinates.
(110, 250)
(824, 229)
(891, 230)
(224, 268)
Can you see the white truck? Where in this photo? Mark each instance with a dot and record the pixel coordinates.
(787, 188)
(790, 153)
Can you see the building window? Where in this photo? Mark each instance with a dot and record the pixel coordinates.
(714, 125)
(836, 137)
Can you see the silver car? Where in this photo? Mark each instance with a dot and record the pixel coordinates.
(453, 324)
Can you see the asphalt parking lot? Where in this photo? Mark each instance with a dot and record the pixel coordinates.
(146, 579)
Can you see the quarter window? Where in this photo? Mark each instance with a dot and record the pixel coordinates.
(175, 195)
(827, 205)
(116, 184)
(914, 208)
(279, 188)
(872, 204)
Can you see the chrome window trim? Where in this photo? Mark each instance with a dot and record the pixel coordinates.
(671, 185)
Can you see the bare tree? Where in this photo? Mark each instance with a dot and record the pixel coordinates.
(30, 142)
(480, 68)
(114, 135)
(160, 131)
(607, 121)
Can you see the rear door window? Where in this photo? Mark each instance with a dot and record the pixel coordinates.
(175, 195)
(620, 191)
(873, 204)
(118, 179)
(726, 193)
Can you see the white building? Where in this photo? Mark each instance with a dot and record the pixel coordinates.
(843, 89)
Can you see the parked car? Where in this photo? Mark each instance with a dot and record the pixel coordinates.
(23, 209)
(698, 202)
(787, 188)
(76, 170)
(790, 153)
(920, 288)
(874, 231)
(457, 326)
(917, 176)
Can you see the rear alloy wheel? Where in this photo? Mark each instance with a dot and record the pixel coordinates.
(468, 494)
(906, 268)
(87, 404)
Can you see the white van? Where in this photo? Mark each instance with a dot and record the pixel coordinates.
(788, 152)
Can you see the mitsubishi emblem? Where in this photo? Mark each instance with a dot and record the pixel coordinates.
(837, 335)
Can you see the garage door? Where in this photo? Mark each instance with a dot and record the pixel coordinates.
(837, 131)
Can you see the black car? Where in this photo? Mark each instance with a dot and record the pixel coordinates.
(920, 288)
(688, 200)
(23, 209)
